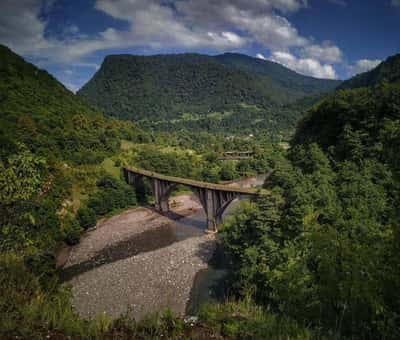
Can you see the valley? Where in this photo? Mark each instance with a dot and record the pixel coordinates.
(86, 255)
(143, 261)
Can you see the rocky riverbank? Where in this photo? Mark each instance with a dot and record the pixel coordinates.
(146, 283)
(139, 260)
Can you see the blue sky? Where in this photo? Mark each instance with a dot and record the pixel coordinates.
(321, 38)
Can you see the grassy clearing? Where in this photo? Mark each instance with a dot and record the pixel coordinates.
(243, 319)
(108, 165)
(127, 145)
(77, 197)
(250, 107)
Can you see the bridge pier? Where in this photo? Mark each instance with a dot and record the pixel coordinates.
(162, 190)
(214, 203)
(214, 198)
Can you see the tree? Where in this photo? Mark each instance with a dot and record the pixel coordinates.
(228, 171)
(20, 176)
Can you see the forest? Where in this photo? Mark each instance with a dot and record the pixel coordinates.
(315, 257)
(221, 94)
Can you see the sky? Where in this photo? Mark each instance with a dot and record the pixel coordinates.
(321, 38)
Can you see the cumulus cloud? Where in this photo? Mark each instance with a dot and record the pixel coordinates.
(20, 27)
(307, 66)
(326, 52)
(255, 20)
(364, 65)
(191, 24)
(260, 56)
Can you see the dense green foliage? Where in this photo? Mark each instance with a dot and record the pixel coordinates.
(55, 152)
(206, 167)
(323, 246)
(227, 93)
(283, 81)
(45, 132)
(243, 319)
(318, 252)
(41, 113)
(111, 194)
(30, 198)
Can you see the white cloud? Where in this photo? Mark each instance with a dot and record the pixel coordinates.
(364, 65)
(20, 27)
(307, 66)
(73, 87)
(325, 52)
(260, 56)
(255, 20)
(156, 24)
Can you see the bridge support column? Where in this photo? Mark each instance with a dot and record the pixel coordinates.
(210, 210)
(214, 203)
(162, 190)
(137, 181)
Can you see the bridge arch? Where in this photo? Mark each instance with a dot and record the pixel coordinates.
(214, 198)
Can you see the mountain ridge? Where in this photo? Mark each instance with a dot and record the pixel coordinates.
(165, 86)
(364, 104)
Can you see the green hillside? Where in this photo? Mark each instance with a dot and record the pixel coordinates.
(322, 247)
(283, 80)
(365, 107)
(37, 110)
(165, 86)
(388, 71)
(223, 93)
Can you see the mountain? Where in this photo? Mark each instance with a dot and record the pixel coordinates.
(164, 86)
(359, 122)
(335, 216)
(282, 78)
(388, 71)
(191, 87)
(37, 110)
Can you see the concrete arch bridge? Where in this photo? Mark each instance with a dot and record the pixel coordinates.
(214, 198)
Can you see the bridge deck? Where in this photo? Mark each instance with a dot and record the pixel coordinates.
(192, 183)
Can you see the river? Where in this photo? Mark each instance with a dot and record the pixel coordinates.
(141, 261)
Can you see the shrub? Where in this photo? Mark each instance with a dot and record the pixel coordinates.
(72, 231)
(87, 217)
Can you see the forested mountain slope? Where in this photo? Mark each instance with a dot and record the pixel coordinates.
(168, 85)
(363, 112)
(289, 83)
(323, 246)
(200, 90)
(37, 110)
(389, 71)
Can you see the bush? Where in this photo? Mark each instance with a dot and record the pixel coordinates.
(72, 231)
(100, 203)
(243, 319)
(87, 217)
(112, 194)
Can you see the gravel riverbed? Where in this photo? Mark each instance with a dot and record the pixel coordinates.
(136, 261)
(146, 283)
